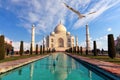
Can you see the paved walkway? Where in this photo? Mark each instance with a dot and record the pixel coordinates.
(107, 66)
(7, 66)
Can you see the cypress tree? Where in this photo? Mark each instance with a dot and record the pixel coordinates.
(41, 49)
(2, 47)
(21, 48)
(75, 49)
(72, 50)
(81, 51)
(49, 50)
(31, 52)
(95, 48)
(86, 51)
(36, 48)
(111, 46)
(78, 49)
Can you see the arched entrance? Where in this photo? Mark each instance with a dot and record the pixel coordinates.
(60, 42)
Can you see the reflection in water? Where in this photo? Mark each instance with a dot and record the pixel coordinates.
(61, 68)
(20, 72)
(31, 71)
(55, 67)
(90, 74)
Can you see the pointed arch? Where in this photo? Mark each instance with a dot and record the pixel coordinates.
(60, 42)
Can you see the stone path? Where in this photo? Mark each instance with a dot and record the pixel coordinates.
(7, 66)
(107, 66)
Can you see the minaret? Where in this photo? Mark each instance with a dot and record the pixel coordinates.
(87, 38)
(33, 37)
(76, 41)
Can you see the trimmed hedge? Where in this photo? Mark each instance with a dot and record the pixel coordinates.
(111, 46)
(21, 48)
(36, 48)
(31, 52)
(94, 48)
(2, 47)
(41, 52)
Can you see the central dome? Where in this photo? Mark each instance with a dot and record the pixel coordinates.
(60, 28)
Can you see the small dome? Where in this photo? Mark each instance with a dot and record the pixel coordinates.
(60, 28)
(52, 33)
(68, 33)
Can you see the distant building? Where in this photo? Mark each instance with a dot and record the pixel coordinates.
(60, 39)
(117, 40)
(117, 43)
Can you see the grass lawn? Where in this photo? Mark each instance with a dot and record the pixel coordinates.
(11, 58)
(104, 58)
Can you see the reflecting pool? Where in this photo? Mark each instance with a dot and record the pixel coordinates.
(54, 67)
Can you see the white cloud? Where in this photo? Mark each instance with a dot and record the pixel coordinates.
(83, 44)
(102, 42)
(16, 44)
(109, 29)
(7, 40)
(46, 14)
(106, 4)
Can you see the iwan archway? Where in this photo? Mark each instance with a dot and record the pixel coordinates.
(60, 42)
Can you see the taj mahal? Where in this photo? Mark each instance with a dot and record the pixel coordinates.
(60, 39)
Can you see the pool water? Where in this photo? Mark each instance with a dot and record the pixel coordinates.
(54, 67)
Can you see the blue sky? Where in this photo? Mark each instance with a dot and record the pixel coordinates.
(17, 17)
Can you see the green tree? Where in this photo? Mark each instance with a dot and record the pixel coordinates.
(78, 50)
(31, 52)
(86, 51)
(36, 48)
(49, 50)
(94, 48)
(41, 49)
(111, 46)
(21, 48)
(81, 51)
(2, 47)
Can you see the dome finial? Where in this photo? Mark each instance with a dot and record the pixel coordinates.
(33, 25)
(60, 22)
